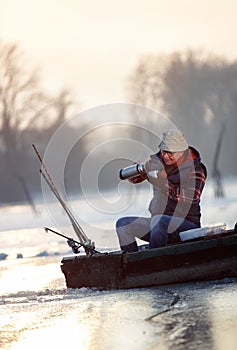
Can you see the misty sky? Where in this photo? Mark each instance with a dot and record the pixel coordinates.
(92, 46)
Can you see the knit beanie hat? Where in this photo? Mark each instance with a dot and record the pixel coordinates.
(173, 141)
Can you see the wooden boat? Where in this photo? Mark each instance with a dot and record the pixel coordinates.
(211, 256)
(203, 258)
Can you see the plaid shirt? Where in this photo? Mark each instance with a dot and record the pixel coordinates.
(180, 194)
(192, 191)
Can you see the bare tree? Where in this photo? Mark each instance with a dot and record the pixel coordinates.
(23, 107)
(216, 173)
(21, 102)
(145, 84)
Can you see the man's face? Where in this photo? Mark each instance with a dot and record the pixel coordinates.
(171, 157)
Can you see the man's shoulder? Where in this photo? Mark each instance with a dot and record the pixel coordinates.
(201, 169)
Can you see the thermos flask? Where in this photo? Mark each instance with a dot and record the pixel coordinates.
(132, 171)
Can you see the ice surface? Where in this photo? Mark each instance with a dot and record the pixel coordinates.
(37, 311)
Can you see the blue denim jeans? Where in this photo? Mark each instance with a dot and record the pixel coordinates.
(158, 230)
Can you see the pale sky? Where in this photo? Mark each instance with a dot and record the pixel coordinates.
(91, 46)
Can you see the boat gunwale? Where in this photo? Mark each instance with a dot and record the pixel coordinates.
(194, 245)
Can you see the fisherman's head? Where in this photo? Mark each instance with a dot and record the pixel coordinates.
(172, 146)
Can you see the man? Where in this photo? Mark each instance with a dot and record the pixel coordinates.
(178, 178)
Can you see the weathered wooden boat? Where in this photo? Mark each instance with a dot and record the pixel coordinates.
(204, 258)
(212, 255)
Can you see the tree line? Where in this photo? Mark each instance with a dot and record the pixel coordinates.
(196, 90)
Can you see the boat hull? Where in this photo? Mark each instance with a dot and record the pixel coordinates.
(207, 259)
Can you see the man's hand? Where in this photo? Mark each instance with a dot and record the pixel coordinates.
(138, 179)
(155, 177)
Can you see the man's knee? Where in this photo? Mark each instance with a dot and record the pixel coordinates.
(124, 221)
(121, 222)
(127, 223)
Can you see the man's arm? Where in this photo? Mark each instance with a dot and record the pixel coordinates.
(138, 179)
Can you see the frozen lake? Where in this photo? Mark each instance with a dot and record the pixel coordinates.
(37, 311)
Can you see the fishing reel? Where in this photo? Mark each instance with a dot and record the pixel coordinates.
(75, 246)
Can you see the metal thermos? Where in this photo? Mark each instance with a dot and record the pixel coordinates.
(132, 171)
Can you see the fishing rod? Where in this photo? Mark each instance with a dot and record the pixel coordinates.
(79, 231)
(76, 226)
(45, 169)
(73, 243)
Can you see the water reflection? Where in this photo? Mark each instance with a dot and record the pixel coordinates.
(83, 320)
(192, 316)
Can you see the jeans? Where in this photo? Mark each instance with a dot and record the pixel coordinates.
(159, 230)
